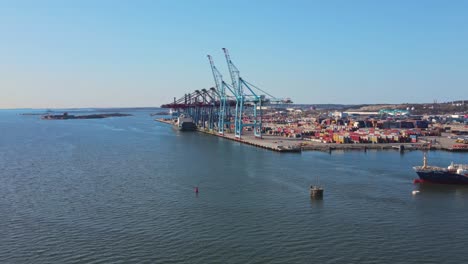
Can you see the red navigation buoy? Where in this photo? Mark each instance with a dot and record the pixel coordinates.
(196, 189)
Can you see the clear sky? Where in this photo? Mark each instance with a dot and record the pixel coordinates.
(115, 53)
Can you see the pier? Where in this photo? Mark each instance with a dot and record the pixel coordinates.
(285, 144)
(273, 143)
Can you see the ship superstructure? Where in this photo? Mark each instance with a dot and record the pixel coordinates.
(453, 174)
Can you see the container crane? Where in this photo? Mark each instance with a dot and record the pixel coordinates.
(241, 98)
(221, 86)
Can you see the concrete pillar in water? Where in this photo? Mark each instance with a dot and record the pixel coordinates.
(316, 192)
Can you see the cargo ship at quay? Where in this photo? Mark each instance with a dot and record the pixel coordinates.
(453, 174)
(185, 123)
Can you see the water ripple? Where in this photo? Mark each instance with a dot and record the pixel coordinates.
(121, 191)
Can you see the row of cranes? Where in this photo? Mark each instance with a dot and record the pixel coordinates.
(236, 105)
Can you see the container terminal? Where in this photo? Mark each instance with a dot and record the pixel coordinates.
(245, 113)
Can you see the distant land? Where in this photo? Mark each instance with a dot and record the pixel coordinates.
(459, 106)
(432, 108)
(66, 116)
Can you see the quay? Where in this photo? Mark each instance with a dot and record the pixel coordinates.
(286, 144)
(362, 146)
(274, 143)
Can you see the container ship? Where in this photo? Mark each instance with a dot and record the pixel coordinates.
(185, 123)
(453, 174)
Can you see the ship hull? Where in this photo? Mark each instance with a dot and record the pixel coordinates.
(443, 177)
(187, 126)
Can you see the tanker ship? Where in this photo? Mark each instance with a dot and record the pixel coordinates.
(453, 174)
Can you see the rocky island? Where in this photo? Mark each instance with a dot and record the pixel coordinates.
(66, 116)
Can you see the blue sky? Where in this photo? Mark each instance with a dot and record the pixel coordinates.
(143, 53)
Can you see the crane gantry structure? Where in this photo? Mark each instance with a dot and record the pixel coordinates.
(212, 108)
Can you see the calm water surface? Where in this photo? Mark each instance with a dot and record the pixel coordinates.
(120, 190)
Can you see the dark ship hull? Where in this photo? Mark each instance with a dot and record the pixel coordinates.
(187, 126)
(442, 176)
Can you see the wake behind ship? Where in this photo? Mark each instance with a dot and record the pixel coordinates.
(453, 174)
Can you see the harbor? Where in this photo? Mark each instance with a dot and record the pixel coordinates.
(234, 132)
(126, 186)
(246, 113)
(285, 143)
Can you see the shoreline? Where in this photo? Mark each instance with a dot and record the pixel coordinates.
(282, 144)
(273, 144)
